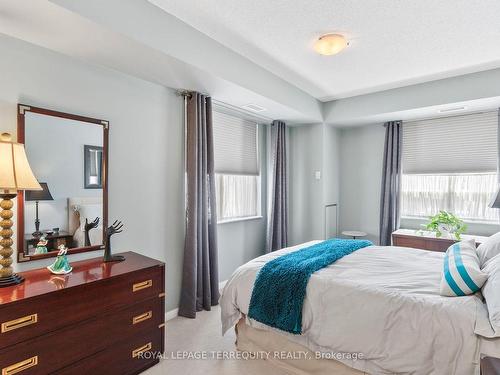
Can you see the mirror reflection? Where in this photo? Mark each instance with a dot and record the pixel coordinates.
(66, 156)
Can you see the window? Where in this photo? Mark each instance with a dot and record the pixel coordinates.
(450, 164)
(237, 196)
(466, 195)
(236, 167)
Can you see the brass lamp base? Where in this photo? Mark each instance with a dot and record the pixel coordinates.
(7, 275)
(13, 279)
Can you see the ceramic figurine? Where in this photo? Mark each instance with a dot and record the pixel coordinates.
(115, 228)
(61, 265)
(41, 246)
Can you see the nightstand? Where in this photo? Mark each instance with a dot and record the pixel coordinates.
(427, 240)
(490, 366)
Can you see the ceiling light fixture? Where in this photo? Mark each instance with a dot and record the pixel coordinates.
(330, 44)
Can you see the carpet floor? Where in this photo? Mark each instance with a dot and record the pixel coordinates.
(202, 336)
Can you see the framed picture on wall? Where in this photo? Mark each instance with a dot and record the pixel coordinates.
(92, 158)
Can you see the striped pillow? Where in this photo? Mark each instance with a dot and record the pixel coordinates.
(461, 270)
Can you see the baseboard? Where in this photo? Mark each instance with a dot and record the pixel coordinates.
(169, 315)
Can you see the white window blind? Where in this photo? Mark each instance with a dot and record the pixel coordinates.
(458, 144)
(235, 145)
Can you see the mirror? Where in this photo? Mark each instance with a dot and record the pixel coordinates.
(68, 155)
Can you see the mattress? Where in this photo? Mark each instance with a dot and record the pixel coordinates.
(382, 303)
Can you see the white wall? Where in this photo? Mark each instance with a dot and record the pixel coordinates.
(331, 164)
(313, 148)
(306, 193)
(361, 152)
(350, 161)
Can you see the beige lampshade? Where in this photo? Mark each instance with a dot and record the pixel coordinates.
(15, 171)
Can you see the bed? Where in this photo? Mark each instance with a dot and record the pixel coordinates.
(379, 304)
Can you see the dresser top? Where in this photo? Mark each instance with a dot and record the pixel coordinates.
(41, 281)
(427, 234)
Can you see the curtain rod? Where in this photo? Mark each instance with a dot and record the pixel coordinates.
(187, 94)
(184, 93)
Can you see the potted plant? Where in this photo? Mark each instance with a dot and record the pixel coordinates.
(446, 222)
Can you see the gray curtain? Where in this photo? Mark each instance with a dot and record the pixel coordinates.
(391, 181)
(277, 231)
(200, 278)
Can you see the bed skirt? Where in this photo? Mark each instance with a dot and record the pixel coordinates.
(249, 339)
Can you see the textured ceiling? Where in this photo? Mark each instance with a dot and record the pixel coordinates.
(393, 43)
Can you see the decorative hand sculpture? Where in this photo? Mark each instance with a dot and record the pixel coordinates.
(116, 227)
(88, 227)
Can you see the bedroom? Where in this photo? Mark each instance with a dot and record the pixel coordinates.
(141, 72)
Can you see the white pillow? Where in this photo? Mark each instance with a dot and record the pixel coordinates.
(489, 248)
(90, 212)
(491, 293)
(462, 274)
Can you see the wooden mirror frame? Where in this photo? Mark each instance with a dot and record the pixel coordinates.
(21, 111)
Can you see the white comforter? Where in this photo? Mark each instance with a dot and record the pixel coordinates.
(382, 302)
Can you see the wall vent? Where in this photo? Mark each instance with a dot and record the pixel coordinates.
(454, 109)
(254, 107)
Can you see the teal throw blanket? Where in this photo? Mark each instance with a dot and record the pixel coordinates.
(280, 287)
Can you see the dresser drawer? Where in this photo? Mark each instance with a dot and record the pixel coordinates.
(32, 317)
(123, 358)
(417, 243)
(432, 244)
(68, 345)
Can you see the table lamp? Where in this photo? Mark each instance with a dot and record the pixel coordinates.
(37, 196)
(15, 175)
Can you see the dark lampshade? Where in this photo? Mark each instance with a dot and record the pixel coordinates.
(39, 195)
(495, 202)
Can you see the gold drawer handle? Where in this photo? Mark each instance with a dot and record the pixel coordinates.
(142, 285)
(142, 317)
(140, 350)
(18, 323)
(20, 366)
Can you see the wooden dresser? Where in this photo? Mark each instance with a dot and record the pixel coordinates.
(102, 318)
(427, 240)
